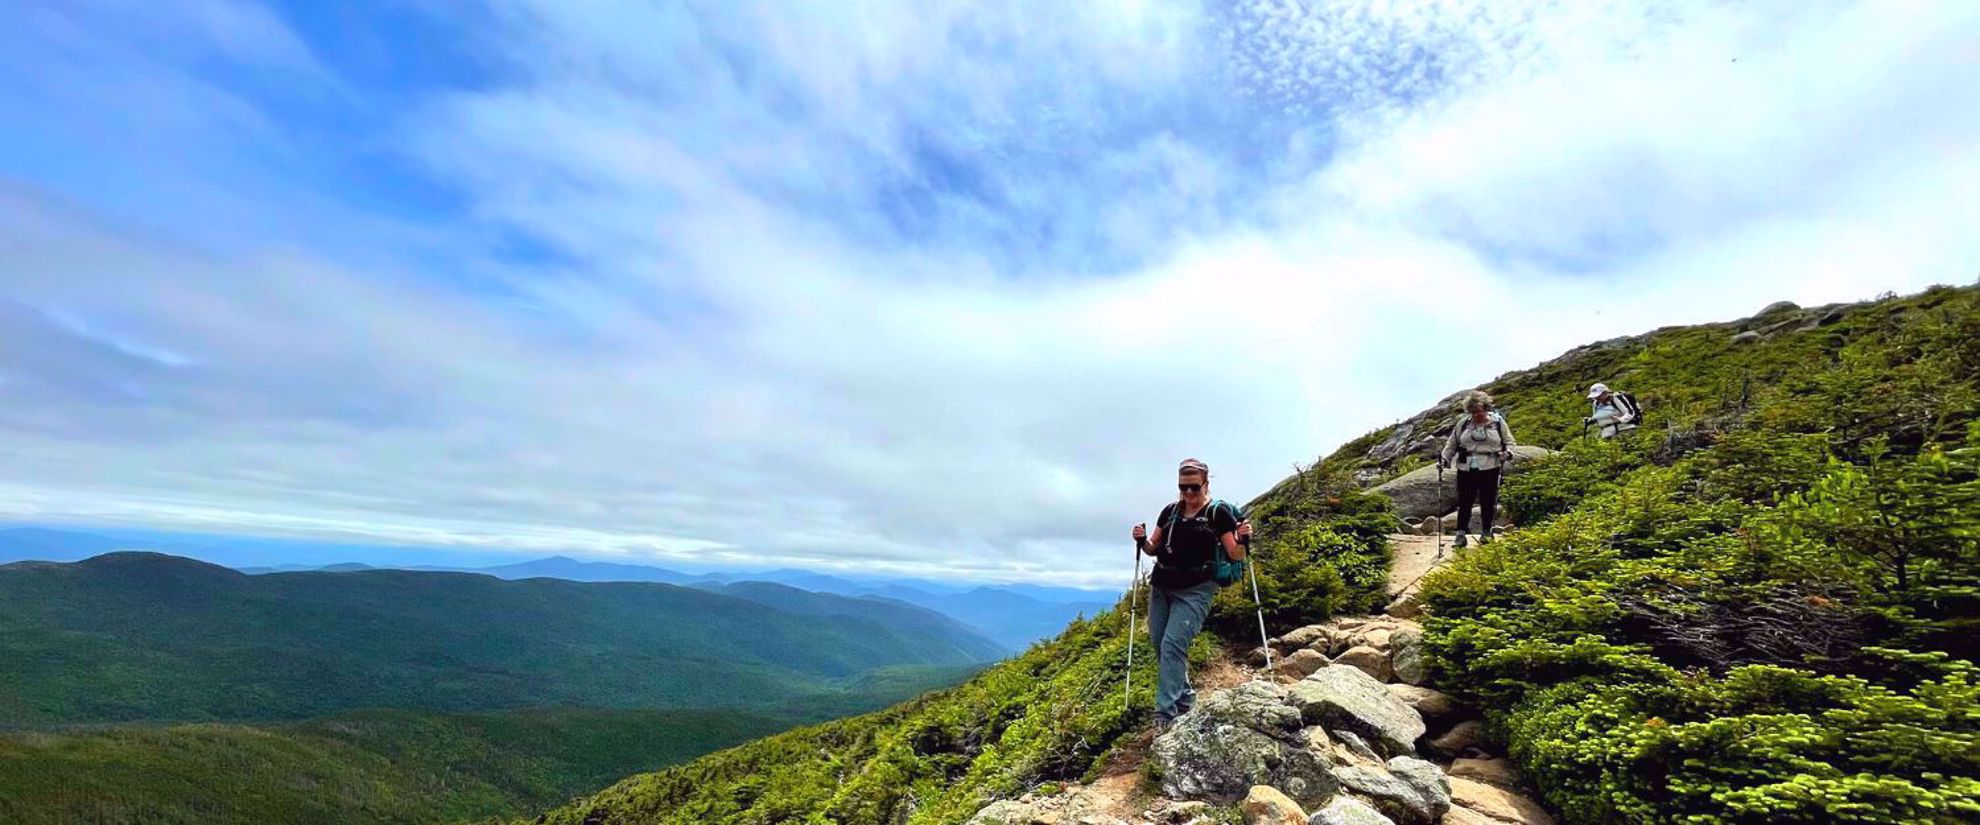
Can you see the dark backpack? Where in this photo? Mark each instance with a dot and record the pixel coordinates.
(1222, 568)
(1628, 403)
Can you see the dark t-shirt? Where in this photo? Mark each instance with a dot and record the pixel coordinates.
(1188, 547)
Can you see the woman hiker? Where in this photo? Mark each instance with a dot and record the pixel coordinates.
(1186, 538)
(1480, 446)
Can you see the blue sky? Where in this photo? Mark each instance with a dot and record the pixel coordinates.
(928, 288)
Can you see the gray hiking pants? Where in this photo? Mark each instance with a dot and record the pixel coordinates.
(1174, 618)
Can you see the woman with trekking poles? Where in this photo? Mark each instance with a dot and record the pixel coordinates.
(1195, 540)
(1480, 446)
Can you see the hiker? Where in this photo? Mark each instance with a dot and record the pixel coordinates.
(1615, 412)
(1187, 537)
(1480, 446)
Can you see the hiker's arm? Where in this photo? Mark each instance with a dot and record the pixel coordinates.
(1153, 546)
(1450, 446)
(1510, 441)
(1232, 549)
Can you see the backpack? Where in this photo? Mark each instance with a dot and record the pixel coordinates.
(1224, 569)
(1626, 403)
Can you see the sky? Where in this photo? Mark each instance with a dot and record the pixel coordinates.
(922, 288)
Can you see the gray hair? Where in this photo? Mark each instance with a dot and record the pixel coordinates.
(1477, 400)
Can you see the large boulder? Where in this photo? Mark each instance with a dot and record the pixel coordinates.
(1409, 791)
(1436, 707)
(1498, 803)
(1427, 781)
(1418, 493)
(1368, 660)
(1491, 771)
(1346, 810)
(1341, 697)
(1265, 805)
(1236, 738)
(1299, 664)
(1302, 637)
(1005, 812)
(1406, 655)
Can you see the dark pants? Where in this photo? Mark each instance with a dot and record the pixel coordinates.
(1481, 486)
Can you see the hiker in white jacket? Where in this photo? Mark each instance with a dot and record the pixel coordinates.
(1615, 412)
(1480, 446)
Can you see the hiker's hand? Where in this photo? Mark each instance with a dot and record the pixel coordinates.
(1244, 531)
(1140, 533)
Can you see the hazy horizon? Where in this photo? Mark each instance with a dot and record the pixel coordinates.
(913, 289)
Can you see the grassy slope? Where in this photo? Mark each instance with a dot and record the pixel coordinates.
(367, 767)
(1774, 624)
(1708, 623)
(385, 766)
(130, 637)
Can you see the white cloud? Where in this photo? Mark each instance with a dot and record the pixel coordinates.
(735, 351)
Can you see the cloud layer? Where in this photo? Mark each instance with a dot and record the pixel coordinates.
(933, 288)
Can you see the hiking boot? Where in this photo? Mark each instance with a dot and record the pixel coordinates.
(1485, 539)
(1162, 724)
(1462, 540)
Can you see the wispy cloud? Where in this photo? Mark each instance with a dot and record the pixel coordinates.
(935, 288)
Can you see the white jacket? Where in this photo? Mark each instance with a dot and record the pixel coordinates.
(1478, 446)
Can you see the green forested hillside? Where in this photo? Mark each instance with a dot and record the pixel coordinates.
(1758, 609)
(1767, 614)
(138, 636)
(364, 767)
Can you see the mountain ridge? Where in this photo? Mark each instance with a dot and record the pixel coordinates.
(208, 642)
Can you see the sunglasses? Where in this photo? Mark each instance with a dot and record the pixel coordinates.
(1190, 488)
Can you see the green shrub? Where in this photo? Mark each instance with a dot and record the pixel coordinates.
(1685, 643)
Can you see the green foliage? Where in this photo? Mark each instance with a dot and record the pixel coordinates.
(368, 767)
(1318, 551)
(1680, 637)
(1552, 485)
(1047, 715)
(145, 637)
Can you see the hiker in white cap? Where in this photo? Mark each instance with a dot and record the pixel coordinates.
(1615, 412)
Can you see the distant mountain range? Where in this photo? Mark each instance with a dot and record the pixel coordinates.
(1012, 615)
(142, 636)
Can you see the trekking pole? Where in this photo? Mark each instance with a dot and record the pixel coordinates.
(1134, 589)
(1435, 517)
(1264, 642)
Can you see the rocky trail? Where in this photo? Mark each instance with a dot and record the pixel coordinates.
(1339, 731)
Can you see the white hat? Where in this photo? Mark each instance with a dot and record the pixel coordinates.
(1597, 390)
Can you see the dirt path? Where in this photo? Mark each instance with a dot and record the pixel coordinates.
(1414, 556)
